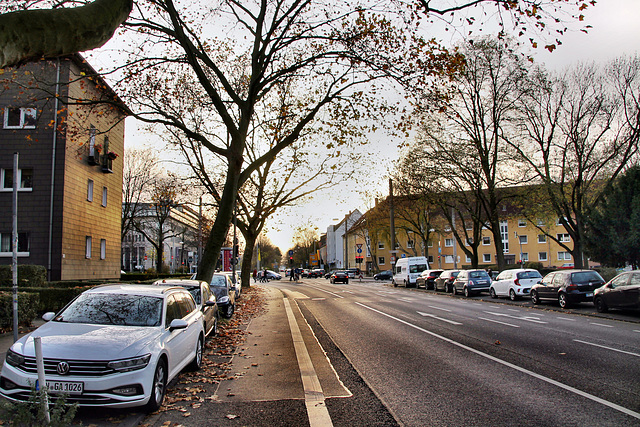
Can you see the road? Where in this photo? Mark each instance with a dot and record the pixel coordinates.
(439, 360)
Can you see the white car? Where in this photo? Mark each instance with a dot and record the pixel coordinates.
(113, 346)
(514, 283)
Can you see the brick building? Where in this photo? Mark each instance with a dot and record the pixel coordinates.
(70, 172)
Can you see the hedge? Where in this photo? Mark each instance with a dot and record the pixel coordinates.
(31, 275)
(49, 299)
(27, 308)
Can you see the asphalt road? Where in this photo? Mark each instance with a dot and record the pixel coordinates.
(434, 359)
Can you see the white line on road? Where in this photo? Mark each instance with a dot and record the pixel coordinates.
(313, 396)
(636, 330)
(601, 324)
(513, 309)
(438, 318)
(565, 319)
(527, 318)
(322, 290)
(497, 321)
(608, 348)
(511, 365)
(439, 308)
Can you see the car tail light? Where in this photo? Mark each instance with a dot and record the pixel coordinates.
(572, 287)
(517, 282)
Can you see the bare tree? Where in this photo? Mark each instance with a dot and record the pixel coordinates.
(139, 173)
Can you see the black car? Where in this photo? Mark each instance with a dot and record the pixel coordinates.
(383, 275)
(567, 287)
(225, 293)
(444, 282)
(623, 292)
(470, 282)
(339, 277)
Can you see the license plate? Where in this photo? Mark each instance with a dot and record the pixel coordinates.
(589, 295)
(65, 387)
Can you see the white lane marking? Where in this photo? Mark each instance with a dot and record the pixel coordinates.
(513, 309)
(565, 319)
(439, 308)
(497, 321)
(313, 394)
(601, 324)
(407, 299)
(511, 365)
(608, 348)
(526, 318)
(636, 330)
(320, 289)
(438, 318)
(347, 292)
(318, 299)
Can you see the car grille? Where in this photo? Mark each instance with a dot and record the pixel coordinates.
(78, 368)
(86, 399)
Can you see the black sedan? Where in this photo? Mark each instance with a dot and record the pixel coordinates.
(567, 287)
(225, 293)
(623, 292)
(383, 275)
(204, 297)
(339, 277)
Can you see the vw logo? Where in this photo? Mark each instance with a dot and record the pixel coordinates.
(63, 368)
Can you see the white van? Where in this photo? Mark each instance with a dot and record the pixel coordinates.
(407, 270)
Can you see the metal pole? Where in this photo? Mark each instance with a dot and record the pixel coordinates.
(392, 224)
(455, 241)
(235, 254)
(14, 239)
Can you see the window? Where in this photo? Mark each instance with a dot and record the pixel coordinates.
(104, 196)
(448, 243)
(19, 118)
(542, 238)
(380, 260)
(430, 259)
(90, 190)
(564, 256)
(6, 244)
(469, 241)
(87, 247)
(486, 240)
(563, 237)
(430, 243)
(524, 257)
(522, 223)
(468, 259)
(504, 234)
(92, 141)
(447, 229)
(542, 256)
(410, 244)
(25, 178)
(486, 257)
(103, 249)
(523, 240)
(448, 259)
(380, 245)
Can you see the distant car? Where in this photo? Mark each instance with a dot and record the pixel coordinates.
(236, 284)
(204, 297)
(622, 292)
(470, 282)
(272, 275)
(112, 346)
(225, 294)
(339, 277)
(427, 278)
(354, 273)
(567, 287)
(514, 283)
(445, 281)
(383, 275)
(316, 272)
(567, 265)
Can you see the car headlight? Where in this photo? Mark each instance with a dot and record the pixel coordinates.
(126, 365)
(13, 358)
(223, 300)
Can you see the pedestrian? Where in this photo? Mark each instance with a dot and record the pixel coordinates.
(255, 275)
(264, 274)
(291, 273)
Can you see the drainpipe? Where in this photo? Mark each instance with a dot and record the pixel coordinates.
(53, 169)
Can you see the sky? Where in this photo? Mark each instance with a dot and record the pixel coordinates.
(615, 33)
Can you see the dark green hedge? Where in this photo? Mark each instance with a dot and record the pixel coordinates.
(27, 308)
(49, 299)
(30, 275)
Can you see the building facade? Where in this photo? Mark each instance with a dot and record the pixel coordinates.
(67, 127)
(337, 255)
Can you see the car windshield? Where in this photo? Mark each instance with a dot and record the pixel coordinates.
(529, 275)
(478, 275)
(195, 292)
(110, 309)
(417, 268)
(219, 281)
(585, 277)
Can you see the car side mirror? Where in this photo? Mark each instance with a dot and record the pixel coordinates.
(210, 303)
(48, 316)
(178, 324)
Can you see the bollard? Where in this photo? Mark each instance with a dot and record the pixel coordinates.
(42, 383)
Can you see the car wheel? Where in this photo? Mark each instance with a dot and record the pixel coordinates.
(346, 282)
(395, 285)
(448, 288)
(196, 363)
(492, 292)
(453, 290)
(512, 295)
(534, 297)
(158, 387)
(466, 291)
(600, 305)
(230, 310)
(562, 300)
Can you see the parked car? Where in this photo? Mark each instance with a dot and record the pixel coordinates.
(339, 276)
(445, 280)
(567, 287)
(514, 283)
(470, 282)
(354, 273)
(205, 300)
(112, 346)
(237, 285)
(623, 292)
(427, 278)
(225, 294)
(272, 275)
(383, 275)
(407, 270)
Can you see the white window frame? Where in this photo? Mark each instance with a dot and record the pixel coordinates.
(87, 247)
(9, 236)
(104, 196)
(564, 256)
(522, 223)
(523, 239)
(89, 190)
(468, 258)
(524, 257)
(3, 174)
(103, 248)
(448, 242)
(484, 258)
(380, 245)
(448, 259)
(24, 112)
(563, 237)
(542, 256)
(486, 240)
(410, 244)
(381, 260)
(542, 238)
